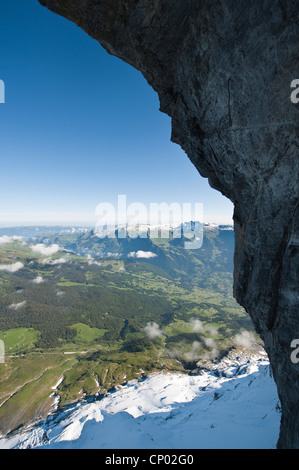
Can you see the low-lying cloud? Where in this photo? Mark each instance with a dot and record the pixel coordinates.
(17, 306)
(212, 345)
(195, 352)
(6, 239)
(57, 261)
(11, 268)
(92, 261)
(54, 262)
(141, 254)
(45, 250)
(152, 330)
(196, 324)
(38, 280)
(246, 339)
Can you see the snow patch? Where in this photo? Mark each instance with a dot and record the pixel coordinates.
(233, 406)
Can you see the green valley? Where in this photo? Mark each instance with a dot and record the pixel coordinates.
(90, 315)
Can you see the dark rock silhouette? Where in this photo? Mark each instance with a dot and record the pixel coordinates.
(223, 71)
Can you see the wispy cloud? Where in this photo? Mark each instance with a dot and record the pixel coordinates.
(212, 345)
(53, 262)
(18, 305)
(11, 268)
(92, 261)
(96, 263)
(6, 239)
(38, 280)
(195, 352)
(152, 330)
(196, 324)
(45, 250)
(246, 339)
(141, 254)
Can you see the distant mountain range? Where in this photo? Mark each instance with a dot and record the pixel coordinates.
(32, 231)
(214, 255)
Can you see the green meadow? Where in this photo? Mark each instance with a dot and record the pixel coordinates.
(87, 322)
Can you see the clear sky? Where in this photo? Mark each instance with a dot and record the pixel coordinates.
(80, 127)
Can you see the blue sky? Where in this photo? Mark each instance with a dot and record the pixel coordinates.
(80, 127)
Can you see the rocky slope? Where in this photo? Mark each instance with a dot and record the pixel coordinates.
(231, 404)
(223, 72)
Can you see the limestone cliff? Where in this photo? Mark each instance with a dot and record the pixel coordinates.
(223, 71)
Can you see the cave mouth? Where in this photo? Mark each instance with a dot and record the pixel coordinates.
(223, 75)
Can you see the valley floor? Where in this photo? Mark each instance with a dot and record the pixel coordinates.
(231, 407)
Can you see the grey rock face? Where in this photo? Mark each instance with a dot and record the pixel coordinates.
(223, 71)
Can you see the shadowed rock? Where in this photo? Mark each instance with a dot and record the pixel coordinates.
(223, 71)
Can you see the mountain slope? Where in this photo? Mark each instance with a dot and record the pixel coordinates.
(233, 406)
(99, 319)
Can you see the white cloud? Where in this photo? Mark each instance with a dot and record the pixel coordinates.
(38, 280)
(196, 324)
(245, 339)
(57, 261)
(54, 261)
(141, 254)
(152, 330)
(96, 263)
(59, 293)
(211, 344)
(195, 353)
(5, 239)
(212, 330)
(17, 306)
(92, 261)
(112, 255)
(45, 250)
(11, 268)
